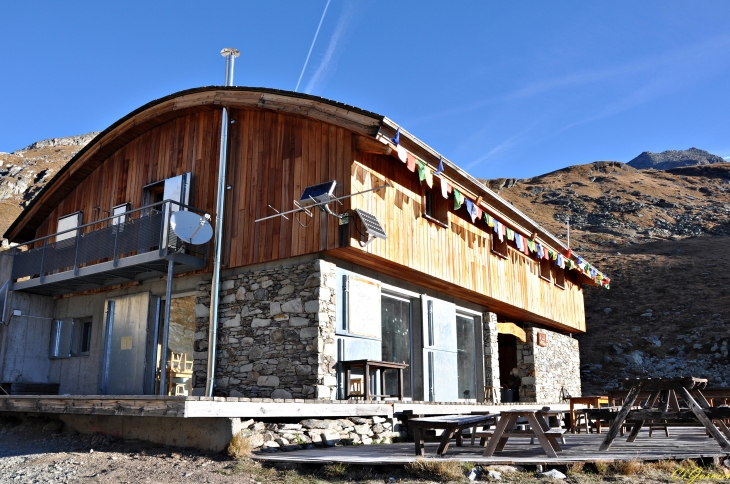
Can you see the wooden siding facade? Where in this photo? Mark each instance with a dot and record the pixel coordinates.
(273, 155)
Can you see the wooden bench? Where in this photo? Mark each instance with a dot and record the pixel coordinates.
(555, 433)
(451, 424)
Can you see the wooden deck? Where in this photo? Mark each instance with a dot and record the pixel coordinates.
(683, 443)
(231, 407)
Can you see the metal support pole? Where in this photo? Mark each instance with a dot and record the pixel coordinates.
(166, 330)
(230, 55)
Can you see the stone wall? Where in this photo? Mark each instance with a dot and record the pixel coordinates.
(276, 331)
(491, 357)
(310, 433)
(546, 370)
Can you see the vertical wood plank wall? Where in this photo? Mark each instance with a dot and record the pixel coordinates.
(186, 144)
(273, 156)
(460, 254)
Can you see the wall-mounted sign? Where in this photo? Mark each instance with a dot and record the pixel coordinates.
(541, 339)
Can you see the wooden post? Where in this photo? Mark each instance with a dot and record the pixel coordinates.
(702, 416)
(621, 417)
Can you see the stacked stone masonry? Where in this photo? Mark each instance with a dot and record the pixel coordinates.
(310, 433)
(491, 357)
(276, 331)
(548, 372)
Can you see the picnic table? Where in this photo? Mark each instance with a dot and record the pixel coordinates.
(664, 393)
(590, 400)
(368, 366)
(539, 428)
(451, 424)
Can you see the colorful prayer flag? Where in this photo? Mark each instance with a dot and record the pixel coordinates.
(429, 177)
(510, 234)
(421, 170)
(441, 166)
(458, 199)
(444, 188)
(396, 138)
(411, 163)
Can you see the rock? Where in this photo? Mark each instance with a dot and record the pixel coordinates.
(259, 323)
(280, 393)
(506, 469)
(636, 357)
(235, 394)
(330, 437)
(363, 429)
(475, 472)
(494, 475)
(271, 444)
(607, 310)
(654, 340)
(268, 381)
(241, 294)
(293, 306)
(233, 322)
(552, 474)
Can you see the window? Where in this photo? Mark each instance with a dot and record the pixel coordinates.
(120, 210)
(545, 269)
(499, 247)
(558, 276)
(81, 337)
(396, 341)
(466, 357)
(68, 222)
(61, 338)
(435, 208)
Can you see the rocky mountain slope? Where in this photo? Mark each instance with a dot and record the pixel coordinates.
(662, 237)
(24, 172)
(674, 159)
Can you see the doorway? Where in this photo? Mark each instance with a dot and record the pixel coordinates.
(507, 363)
(129, 346)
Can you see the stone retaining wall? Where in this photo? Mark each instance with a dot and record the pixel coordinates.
(310, 433)
(546, 370)
(276, 331)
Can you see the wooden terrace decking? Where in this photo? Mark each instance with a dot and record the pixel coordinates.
(232, 407)
(683, 443)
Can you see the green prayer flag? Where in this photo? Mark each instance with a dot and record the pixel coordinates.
(458, 199)
(421, 170)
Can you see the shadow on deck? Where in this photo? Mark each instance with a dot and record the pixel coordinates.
(683, 443)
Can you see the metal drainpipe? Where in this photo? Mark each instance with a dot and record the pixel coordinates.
(230, 55)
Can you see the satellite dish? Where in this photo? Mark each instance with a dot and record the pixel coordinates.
(191, 227)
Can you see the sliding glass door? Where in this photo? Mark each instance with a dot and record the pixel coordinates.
(396, 340)
(466, 357)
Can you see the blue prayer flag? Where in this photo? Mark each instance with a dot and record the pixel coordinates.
(441, 166)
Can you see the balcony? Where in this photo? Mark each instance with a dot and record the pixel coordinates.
(132, 246)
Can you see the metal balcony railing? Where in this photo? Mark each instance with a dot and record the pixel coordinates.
(133, 238)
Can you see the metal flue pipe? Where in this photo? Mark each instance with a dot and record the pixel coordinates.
(230, 55)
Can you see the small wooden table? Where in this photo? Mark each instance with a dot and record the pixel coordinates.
(538, 428)
(664, 393)
(451, 424)
(367, 366)
(594, 401)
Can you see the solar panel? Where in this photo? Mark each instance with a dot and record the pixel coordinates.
(320, 193)
(372, 226)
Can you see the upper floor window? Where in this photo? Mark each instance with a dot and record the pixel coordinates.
(435, 207)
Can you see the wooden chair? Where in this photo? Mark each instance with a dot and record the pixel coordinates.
(355, 390)
(179, 374)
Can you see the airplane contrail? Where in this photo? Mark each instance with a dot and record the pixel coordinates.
(312, 46)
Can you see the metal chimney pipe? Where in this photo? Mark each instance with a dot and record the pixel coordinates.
(230, 55)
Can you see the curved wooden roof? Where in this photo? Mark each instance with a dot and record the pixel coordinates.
(200, 99)
(170, 107)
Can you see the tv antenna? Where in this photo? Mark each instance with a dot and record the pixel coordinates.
(320, 196)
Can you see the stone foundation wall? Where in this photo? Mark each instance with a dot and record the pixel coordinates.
(276, 331)
(491, 357)
(310, 433)
(546, 370)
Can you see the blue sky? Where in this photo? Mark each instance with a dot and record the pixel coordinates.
(504, 89)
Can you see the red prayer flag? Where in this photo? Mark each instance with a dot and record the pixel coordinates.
(411, 162)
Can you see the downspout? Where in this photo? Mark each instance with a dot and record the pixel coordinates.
(230, 55)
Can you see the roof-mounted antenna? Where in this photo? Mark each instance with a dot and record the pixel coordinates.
(320, 196)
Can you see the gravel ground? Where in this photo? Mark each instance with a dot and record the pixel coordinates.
(35, 450)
